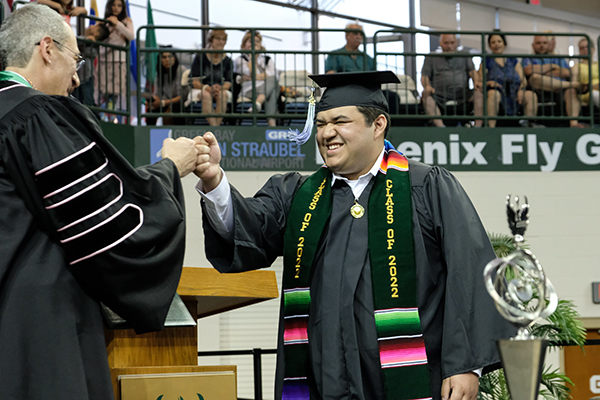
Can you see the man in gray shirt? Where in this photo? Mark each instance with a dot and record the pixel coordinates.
(446, 83)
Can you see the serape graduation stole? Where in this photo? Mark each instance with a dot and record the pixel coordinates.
(391, 249)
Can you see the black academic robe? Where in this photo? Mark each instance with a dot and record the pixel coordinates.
(78, 226)
(458, 317)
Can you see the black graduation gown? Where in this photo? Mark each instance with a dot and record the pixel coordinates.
(122, 232)
(458, 317)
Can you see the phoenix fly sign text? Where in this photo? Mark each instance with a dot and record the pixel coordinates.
(458, 149)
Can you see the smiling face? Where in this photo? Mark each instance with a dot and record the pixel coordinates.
(497, 44)
(257, 43)
(218, 42)
(348, 146)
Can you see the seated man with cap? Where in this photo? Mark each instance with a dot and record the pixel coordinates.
(383, 295)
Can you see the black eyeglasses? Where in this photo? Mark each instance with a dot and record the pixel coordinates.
(78, 58)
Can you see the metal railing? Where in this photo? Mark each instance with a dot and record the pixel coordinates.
(287, 60)
(293, 109)
(482, 56)
(105, 78)
(112, 78)
(256, 354)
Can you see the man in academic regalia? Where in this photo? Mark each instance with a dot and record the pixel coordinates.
(383, 295)
(78, 224)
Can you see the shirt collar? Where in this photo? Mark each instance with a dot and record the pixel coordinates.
(359, 185)
(372, 172)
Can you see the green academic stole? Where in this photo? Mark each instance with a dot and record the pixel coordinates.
(391, 250)
(14, 77)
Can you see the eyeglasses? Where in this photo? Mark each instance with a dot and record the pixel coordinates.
(79, 61)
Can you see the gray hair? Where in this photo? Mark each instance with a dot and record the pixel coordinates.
(24, 28)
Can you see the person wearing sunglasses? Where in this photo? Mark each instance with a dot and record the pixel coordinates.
(79, 225)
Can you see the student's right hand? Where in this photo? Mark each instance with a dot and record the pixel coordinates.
(209, 157)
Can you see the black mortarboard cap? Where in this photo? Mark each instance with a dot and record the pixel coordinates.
(353, 89)
(345, 89)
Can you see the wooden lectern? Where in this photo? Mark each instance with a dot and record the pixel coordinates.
(205, 292)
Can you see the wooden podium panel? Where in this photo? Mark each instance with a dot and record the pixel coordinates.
(116, 372)
(205, 292)
(218, 292)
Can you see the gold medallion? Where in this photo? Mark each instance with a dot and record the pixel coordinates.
(357, 211)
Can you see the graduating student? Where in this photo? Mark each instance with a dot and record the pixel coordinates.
(383, 294)
(79, 225)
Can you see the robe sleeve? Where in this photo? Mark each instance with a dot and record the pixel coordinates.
(258, 227)
(471, 323)
(122, 229)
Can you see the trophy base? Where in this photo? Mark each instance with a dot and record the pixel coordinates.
(523, 362)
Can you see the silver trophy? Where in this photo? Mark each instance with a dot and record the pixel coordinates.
(523, 294)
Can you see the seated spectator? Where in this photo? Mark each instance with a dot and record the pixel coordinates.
(349, 58)
(551, 42)
(445, 83)
(89, 51)
(168, 90)
(267, 84)
(581, 74)
(505, 83)
(550, 76)
(213, 74)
